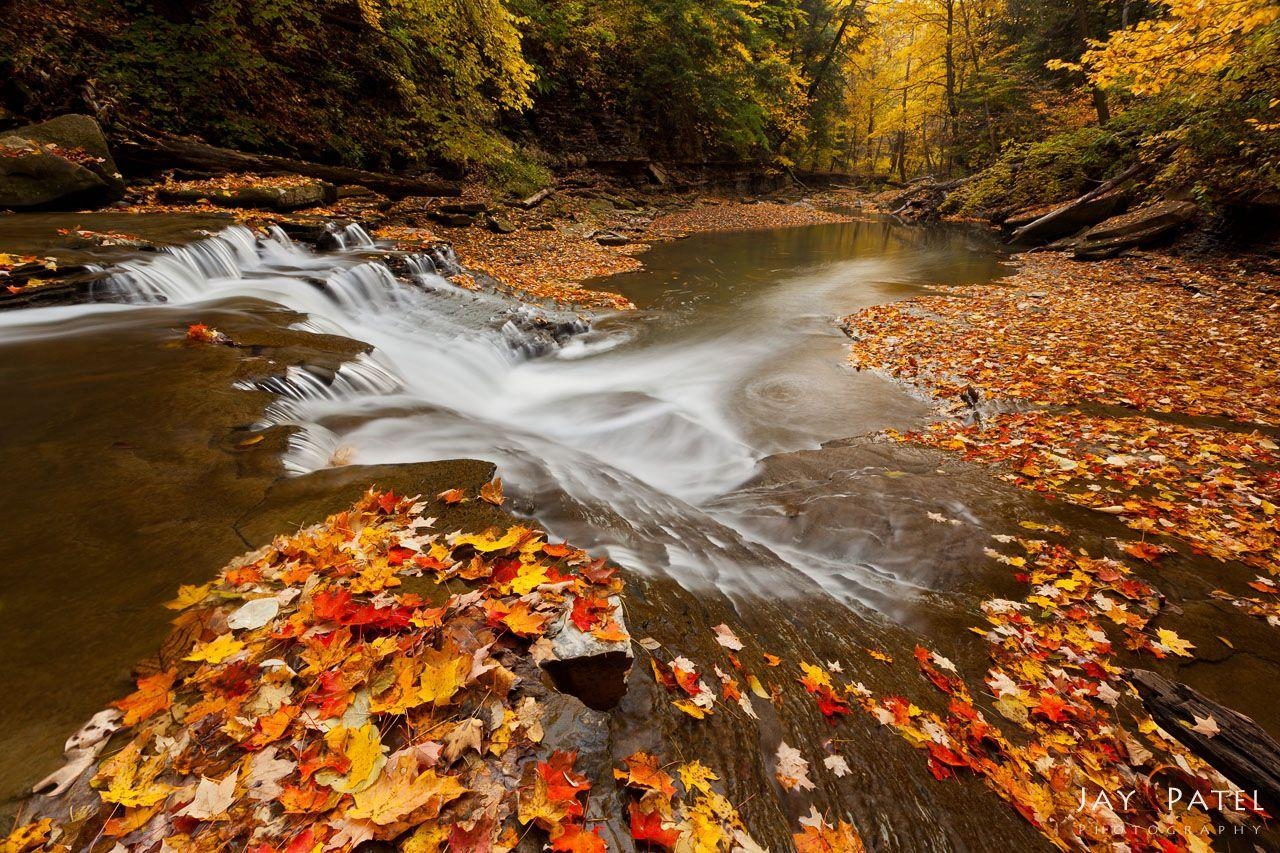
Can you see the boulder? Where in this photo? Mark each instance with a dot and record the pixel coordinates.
(610, 238)
(452, 220)
(60, 163)
(501, 225)
(1142, 227)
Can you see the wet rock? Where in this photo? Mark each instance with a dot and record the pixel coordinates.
(591, 669)
(1142, 227)
(60, 163)
(313, 229)
(453, 220)
(500, 225)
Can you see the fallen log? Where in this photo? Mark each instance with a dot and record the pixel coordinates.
(1234, 744)
(536, 199)
(155, 152)
(1051, 224)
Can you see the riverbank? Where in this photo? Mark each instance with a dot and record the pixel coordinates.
(1140, 392)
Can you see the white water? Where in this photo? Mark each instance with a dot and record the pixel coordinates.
(619, 435)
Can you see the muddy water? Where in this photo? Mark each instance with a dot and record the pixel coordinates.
(713, 442)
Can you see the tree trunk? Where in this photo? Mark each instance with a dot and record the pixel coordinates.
(167, 152)
(953, 109)
(1086, 32)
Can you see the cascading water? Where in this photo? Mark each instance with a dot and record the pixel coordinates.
(622, 433)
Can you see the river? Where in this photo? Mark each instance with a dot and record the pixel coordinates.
(713, 442)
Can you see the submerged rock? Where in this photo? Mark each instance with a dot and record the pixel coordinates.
(60, 163)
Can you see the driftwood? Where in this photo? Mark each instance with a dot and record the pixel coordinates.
(536, 199)
(158, 152)
(1066, 210)
(1240, 749)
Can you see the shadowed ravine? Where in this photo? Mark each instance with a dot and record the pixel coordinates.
(685, 439)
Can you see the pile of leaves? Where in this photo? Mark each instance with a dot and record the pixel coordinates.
(364, 678)
(700, 819)
(239, 181)
(733, 216)
(1216, 490)
(1162, 335)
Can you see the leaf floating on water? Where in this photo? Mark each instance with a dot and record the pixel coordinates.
(837, 765)
(792, 771)
(727, 638)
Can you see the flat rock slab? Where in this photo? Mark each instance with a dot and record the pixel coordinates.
(1135, 229)
(1070, 217)
(262, 196)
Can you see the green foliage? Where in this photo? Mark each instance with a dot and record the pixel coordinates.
(684, 79)
(1032, 173)
(382, 83)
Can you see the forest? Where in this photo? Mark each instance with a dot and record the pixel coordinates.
(653, 426)
(1044, 96)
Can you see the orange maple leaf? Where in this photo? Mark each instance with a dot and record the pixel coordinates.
(154, 694)
(643, 771)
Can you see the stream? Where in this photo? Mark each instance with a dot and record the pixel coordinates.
(714, 442)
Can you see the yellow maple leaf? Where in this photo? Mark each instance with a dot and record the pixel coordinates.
(28, 836)
(188, 595)
(488, 541)
(695, 711)
(524, 622)
(704, 833)
(536, 805)
(697, 776)
(402, 693)
(428, 838)
(530, 577)
(1174, 643)
(216, 651)
(443, 674)
(401, 789)
(131, 779)
(363, 748)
